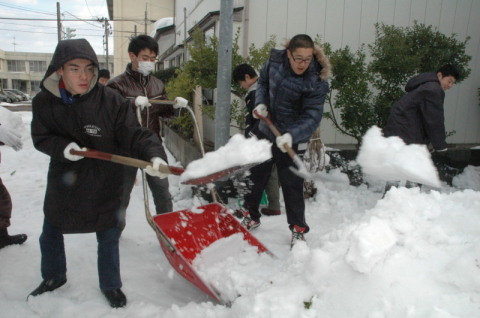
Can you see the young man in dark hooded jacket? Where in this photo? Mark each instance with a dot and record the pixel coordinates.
(291, 91)
(73, 111)
(138, 85)
(418, 116)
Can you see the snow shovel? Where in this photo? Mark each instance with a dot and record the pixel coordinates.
(190, 231)
(301, 170)
(218, 175)
(184, 234)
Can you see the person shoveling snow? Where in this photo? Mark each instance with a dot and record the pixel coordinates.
(390, 159)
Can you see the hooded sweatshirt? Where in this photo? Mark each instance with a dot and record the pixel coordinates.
(84, 196)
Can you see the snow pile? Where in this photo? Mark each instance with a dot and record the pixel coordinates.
(239, 151)
(414, 253)
(390, 159)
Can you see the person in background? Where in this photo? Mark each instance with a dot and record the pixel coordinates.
(103, 76)
(74, 112)
(138, 85)
(247, 77)
(291, 91)
(11, 138)
(418, 116)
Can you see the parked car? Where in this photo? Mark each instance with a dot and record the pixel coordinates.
(23, 96)
(14, 97)
(4, 98)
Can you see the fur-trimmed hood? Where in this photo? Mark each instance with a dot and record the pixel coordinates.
(322, 59)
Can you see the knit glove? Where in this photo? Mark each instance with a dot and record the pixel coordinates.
(180, 102)
(74, 146)
(282, 140)
(154, 171)
(261, 109)
(142, 102)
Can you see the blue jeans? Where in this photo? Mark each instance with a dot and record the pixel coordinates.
(54, 264)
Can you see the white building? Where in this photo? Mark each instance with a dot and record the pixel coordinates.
(342, 23)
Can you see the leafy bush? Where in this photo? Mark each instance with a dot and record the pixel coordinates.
(362, 92)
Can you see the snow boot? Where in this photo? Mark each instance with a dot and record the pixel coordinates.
(248, 222)
(297, 235)
(6, 239)
(48, 285)
(267, 211)
(116, 298)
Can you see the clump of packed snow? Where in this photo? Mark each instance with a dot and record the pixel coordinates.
(390, 159)
(413, 253)
(238, 152)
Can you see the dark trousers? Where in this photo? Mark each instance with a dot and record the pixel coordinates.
(54, 264)
(5, 206)
(292, 187)
(160, 193)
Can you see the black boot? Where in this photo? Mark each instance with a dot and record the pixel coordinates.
(48, 285)
(115, 297)
(6, 239)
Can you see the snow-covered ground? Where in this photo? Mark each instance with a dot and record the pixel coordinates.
(411, 254)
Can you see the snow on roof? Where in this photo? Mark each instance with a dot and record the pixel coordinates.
(162, 23)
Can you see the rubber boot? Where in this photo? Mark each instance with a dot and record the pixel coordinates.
(6, 239)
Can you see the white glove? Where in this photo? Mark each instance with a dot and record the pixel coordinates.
(282, 140)
(11, 137)
(261, 109)
(74, 146)
(153, 169)
(180, 102)
(142, 102)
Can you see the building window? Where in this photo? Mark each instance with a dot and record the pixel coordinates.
(19, 84)
(16, 66)
(4, 83)
(38, 66)
(35, 86)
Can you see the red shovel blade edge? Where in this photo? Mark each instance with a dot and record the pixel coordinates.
(190, 233)
(219, 175)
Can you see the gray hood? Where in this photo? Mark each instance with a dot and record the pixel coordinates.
(68, 50)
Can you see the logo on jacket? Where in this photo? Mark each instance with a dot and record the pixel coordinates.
(93, 130)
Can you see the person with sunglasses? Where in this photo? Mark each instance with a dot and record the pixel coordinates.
(291, 91)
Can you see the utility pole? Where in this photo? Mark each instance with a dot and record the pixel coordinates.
(106, 25)
(224, 76)
(59, 23)
(146, 18)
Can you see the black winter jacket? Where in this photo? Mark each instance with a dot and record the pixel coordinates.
(418, 116)
(84, 196)
(251, 123)
(131, 84)
(294, 102)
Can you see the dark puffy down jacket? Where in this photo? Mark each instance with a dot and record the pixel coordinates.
(418, 116)
(295, 102)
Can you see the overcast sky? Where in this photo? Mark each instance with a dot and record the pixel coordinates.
(41, 36)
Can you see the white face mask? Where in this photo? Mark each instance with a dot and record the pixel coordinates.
(146, 67)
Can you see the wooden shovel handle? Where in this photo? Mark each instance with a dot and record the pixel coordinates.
(127, 161)
(277, 133)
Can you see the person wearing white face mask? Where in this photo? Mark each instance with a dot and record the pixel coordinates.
(138, 85)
